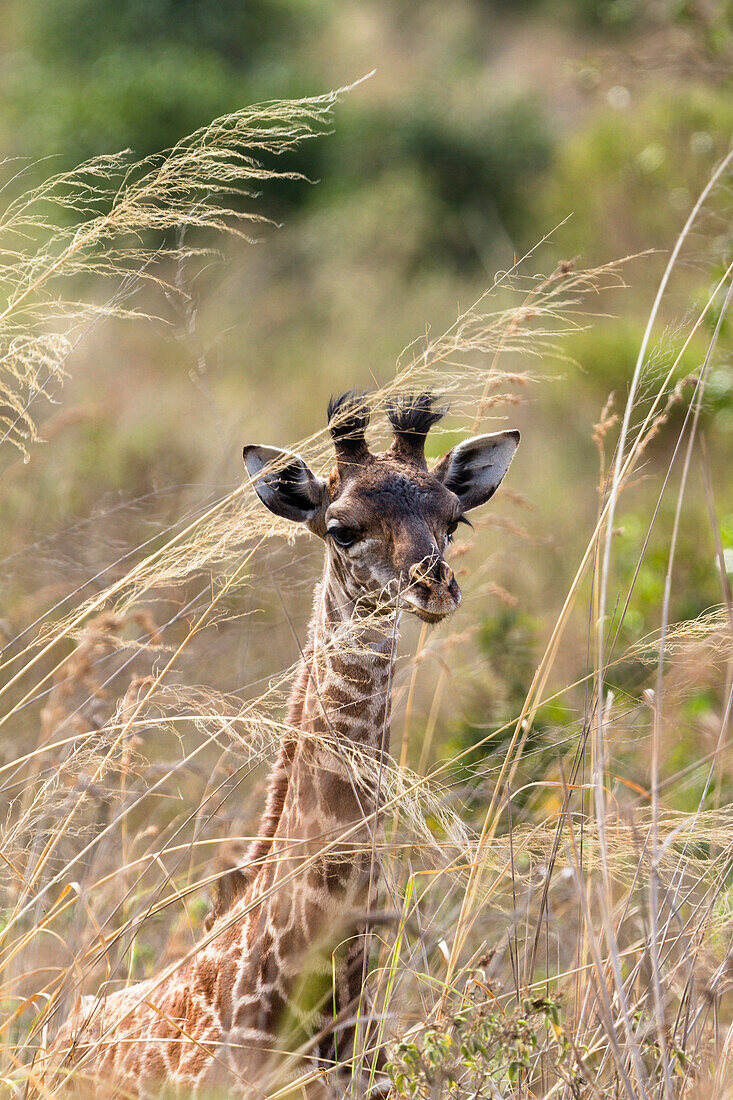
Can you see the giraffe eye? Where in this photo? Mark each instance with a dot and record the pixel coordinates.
(343, 536)
(451, 529)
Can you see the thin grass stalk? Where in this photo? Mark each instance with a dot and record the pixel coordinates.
(620, 467)
(695, 404)
(619, 470)
(602, 992)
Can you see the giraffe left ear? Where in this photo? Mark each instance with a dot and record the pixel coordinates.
(475, 469)
(284, 483)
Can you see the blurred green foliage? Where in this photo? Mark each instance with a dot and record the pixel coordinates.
(648, 162)
(466, 163)
(90, 76)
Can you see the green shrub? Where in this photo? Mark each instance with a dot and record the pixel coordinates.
(629, 177)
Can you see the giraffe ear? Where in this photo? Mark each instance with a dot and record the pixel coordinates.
(475, 469)
(284, 483)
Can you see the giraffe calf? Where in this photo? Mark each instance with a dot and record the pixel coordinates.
(279, 974)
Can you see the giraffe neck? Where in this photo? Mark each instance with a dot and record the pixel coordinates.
(355, 653)
(340, 717)
(311, 881)
(320, 818)
(340, 693)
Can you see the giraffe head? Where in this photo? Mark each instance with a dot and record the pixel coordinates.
(386, 519)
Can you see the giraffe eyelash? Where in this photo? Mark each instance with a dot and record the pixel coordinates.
(452, 527)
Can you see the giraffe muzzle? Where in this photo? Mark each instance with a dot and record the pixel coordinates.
(432, 592)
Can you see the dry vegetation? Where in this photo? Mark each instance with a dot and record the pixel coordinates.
(551, 927)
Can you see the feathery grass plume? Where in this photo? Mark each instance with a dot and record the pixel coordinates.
(711, 629)
(102, 219)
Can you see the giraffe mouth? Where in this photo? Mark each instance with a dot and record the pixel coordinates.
(428, 616)
(433, 605)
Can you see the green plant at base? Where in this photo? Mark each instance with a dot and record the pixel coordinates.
(482, 1043)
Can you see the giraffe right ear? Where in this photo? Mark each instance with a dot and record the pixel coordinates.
(475, 469)
(284, 483)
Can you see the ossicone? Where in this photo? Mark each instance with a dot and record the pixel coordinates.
(412, 415)
(348, 419)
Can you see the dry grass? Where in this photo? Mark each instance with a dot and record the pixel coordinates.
(571, 940)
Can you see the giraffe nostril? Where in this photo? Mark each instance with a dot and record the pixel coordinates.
(418, 576)
(427, 576)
